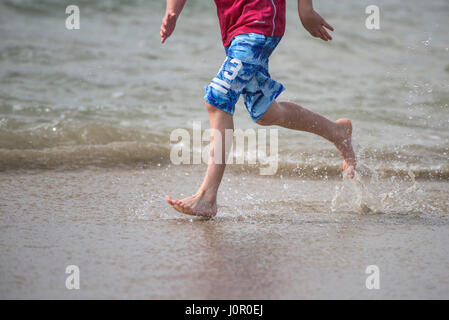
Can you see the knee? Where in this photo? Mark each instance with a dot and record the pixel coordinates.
(210, 108)
(266, 120)
(273, 115)
(214, 111)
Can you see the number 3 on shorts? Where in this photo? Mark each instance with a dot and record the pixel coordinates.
(235, 69)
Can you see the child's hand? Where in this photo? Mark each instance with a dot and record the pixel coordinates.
(315, 24)
(168, 26)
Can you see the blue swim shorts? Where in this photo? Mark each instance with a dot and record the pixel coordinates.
(245, 72)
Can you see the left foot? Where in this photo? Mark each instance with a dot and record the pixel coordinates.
(196, 205)
(343, 142)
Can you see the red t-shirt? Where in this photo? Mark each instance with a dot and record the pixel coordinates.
(266, 17)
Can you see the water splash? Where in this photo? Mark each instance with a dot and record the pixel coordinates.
(368, 194)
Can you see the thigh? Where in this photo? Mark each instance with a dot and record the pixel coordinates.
(245, 70)
(225, 88)
(260, 94)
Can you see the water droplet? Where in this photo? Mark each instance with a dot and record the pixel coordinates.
(118, 94)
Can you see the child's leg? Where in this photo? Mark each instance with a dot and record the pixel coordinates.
(293, 116)
(204, 201)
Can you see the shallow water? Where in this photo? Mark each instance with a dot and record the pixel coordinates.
(85, 123)
(280, 241)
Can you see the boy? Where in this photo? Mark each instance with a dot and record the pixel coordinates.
(251, 30)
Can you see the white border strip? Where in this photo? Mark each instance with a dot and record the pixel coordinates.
(274, 17)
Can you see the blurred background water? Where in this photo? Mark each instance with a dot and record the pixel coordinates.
(110, 94)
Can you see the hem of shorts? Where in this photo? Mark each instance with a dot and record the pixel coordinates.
(227, 41)
(224, 108)
(268, 105)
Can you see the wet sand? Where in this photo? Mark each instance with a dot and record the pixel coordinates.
(273, 238)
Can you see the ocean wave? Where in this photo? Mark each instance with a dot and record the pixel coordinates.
(75, 157)
(76, 144)
(59, 133)
(147, 154)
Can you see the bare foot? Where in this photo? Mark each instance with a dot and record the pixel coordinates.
(196, 205)
(344, 145)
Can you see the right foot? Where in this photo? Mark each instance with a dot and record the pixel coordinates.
(344, 145)
(196, 205)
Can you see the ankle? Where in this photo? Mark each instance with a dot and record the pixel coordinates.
(337, 134)
(207, 194)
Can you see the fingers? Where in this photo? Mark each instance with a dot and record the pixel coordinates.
(164, 33)
(325, 34)
(327, 25)
(321, 33)
(167, 26)
(315, 33)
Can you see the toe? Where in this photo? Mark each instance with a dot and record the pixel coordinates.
(351, 173)
(169, 199)
(349, 169)
(184, 208)
(177, 208)
(187, 210)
